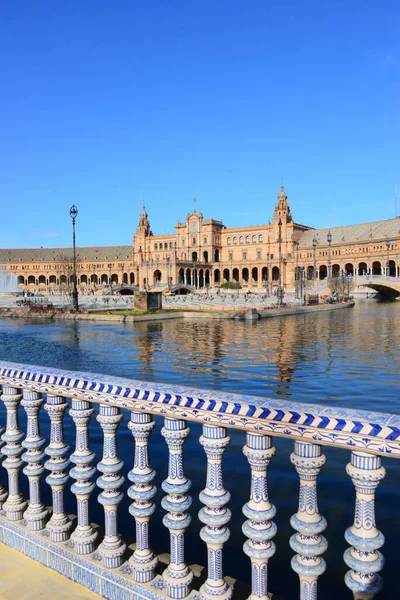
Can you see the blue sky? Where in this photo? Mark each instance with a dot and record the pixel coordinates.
(105, 104)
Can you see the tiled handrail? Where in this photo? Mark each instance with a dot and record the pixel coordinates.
(73, 548)
(377, 433)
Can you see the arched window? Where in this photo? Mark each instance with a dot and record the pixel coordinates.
(205, 240)
(260, 238)
(165, 246)
(170, 245)
(183, 243)
(247, 239)
(253, 239)
(241, 240)
(229, 241)
(235, 240)
(155, 246)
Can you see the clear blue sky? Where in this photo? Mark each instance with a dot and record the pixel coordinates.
(104, 104)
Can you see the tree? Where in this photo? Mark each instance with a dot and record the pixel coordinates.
(65, 272)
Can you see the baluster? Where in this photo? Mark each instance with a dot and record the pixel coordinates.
(259, 510)
(307, 542)
(84, 536)
(60, 524)
(143, 561)
(215, 516)
(3, 491)
(112, 547)
(36, 513)
(15, 503)
(364, 558)
(177, 575)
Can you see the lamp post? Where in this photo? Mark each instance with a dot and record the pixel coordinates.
(194, 273)
(301, 277)
(73, 211)
(296, 276)
(329, 238)
(169, 271)
(387, 258)
(279, 292)
(110, 278)
(314, 243)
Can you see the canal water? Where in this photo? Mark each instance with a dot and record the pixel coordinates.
(340, 358)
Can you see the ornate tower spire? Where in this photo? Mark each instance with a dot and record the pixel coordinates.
(144, 223)
(282, 208)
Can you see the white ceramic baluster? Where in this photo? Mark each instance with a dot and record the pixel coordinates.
(215, 515)
(15, 504)
(60, 524)
(177, 575)
(143, 561)
(84, 536)
(3, 491)
(259, 511)
(307, 542)
(112, 547)
(36, 513)
(364, 558)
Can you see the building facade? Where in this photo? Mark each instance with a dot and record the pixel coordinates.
(205, 253)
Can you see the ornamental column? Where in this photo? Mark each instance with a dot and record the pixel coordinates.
(60, 524)
(36, 513)
(364, 558)
(259, 527)
(307, 542)
(215, 516)
(143, 561)
(112, 547)
(177, 575)
(15, 504)
(84, 536)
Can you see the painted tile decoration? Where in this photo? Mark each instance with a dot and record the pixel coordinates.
(374, 432)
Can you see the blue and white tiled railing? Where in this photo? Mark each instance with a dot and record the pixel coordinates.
(75, 548)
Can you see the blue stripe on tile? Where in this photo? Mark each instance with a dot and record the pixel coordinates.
(376, 429)
(251, 410)
(167, 398)
(295, 417)
(145, 395)
(236, 408)
(394, 435)
(211, 405)
(126, 392)
(265, 413)
(341, 423)
(279, 415)
(224, 406)
(357, 427)
(324, 422)
(309, 420)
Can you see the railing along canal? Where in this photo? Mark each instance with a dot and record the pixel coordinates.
(75, 550)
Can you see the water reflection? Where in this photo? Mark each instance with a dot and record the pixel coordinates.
(341, 358)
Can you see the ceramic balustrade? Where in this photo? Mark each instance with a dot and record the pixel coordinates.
(74, 546)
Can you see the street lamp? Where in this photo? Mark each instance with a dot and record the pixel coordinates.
(314, 243)
(110, 278)
(169, 271)
(387, 258)
(194, 273)
(296, 277)
(329, 238)
(301, 276)
(73, 211)
(279, 292)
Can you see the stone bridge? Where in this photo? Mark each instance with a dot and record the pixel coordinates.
(388, 287)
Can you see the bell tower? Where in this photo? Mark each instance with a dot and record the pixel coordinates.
(143, 231)
(282, 208)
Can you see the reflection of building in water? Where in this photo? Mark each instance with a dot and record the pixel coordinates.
(145, 342)
(205, 253)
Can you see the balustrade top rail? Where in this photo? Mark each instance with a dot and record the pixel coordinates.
(372, 432)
